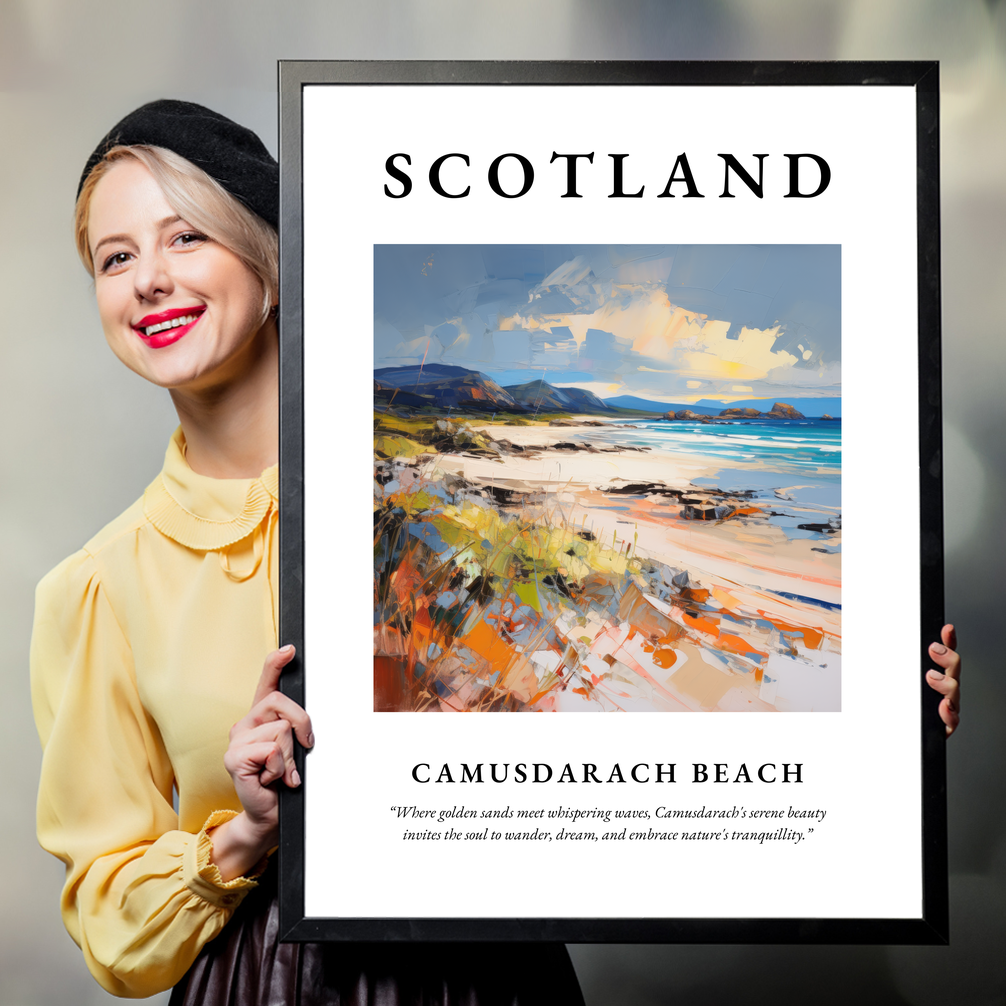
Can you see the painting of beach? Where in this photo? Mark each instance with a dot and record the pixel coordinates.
(607, 478)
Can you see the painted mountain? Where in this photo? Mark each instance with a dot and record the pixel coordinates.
(441, 387)
(541, 397)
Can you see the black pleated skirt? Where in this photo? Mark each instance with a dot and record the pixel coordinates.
(246, 965)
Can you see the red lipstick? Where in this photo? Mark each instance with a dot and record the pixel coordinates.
(166, 327)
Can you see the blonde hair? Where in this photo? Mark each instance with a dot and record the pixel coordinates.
(199, 200)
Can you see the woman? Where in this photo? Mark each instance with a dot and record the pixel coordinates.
(149, 642)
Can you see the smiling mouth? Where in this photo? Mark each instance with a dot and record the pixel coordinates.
(185, 319)
(167, 321)
(167, 327)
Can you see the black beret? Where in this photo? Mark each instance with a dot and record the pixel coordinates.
(230, 154)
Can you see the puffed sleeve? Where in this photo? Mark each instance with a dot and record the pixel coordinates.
(141, 898)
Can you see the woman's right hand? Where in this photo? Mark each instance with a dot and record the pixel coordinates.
(259, 754)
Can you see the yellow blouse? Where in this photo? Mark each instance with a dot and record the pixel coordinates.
(147, 647)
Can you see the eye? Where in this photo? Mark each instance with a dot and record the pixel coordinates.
(189, 239)
(115, 261)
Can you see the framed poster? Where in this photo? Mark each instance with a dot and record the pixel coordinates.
(610, 423)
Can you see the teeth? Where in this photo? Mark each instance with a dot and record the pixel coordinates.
(174, 323)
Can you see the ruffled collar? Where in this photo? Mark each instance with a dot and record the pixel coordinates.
(203, 513)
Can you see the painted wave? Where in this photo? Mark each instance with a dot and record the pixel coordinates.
(796, 447)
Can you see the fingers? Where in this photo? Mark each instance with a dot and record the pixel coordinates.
(261, 749)
(271, 671)
(280, 763)
(272, 761)
(950, 716)
(947, 680)
(949, 636)
(945, 654)
(265, 751)
(270, 703)
(277, 706)
(949, 687)
(262, 761)
(947, 659)
(948, 709)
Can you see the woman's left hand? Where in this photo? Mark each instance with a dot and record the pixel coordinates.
(947, 682)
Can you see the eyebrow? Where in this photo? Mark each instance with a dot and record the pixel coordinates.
(160, 225)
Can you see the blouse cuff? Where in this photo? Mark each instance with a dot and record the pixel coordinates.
(202, 876)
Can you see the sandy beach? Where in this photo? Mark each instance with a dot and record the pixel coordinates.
(621, 596)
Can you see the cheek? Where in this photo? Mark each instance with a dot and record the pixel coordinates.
(246, 300)
(224, 279)
(113, 310)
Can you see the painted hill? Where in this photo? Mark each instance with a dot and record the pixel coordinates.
(537, 396)
(441, 387)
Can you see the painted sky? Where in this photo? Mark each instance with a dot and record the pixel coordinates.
(667, 322)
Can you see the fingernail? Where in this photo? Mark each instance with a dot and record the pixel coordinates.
(295, 777)
(936, 675)
(938, 648)
(951, 706)
(310, 740)
(287, 649)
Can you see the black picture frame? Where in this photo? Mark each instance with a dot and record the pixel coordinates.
(932, 925)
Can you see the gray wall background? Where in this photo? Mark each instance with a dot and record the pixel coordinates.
(82, 436)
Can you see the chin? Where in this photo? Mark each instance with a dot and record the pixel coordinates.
(170, 374)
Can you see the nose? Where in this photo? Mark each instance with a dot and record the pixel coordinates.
(152, 276)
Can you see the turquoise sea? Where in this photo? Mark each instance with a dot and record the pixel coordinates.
(798, 474)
